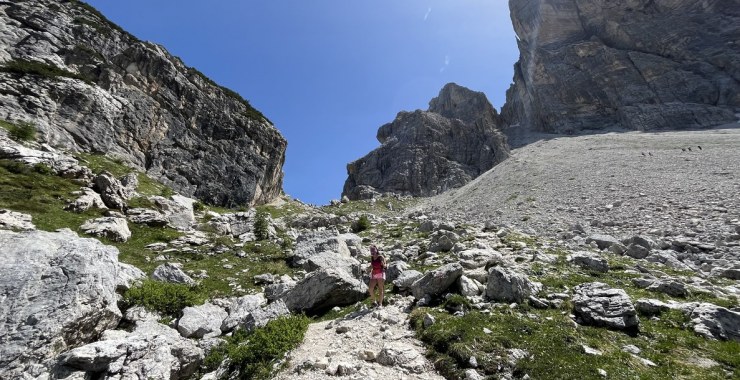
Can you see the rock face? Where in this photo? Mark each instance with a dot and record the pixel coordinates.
(597, 304)
(424, 153)
(57, 291)
(594, 65)
(135, 101)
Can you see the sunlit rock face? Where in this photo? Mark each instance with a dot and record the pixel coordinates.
(111, 93)
(632, 64)
(424, 153)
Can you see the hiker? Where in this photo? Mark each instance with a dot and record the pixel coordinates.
(377, 275)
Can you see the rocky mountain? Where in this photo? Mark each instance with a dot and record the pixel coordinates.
(89, 86)
(424, 153)
(639, 65)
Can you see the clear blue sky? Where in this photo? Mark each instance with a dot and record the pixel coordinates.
(328, 73)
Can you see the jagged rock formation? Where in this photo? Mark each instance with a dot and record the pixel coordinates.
(424, 153)
(89, 86)
(639, 65)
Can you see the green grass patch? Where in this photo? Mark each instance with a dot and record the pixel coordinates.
(163, 297)
(555, 347)
(252, 355)
(25, 67)
(20, 132)
(147, 185)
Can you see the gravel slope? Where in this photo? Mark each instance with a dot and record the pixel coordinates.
(617, 182)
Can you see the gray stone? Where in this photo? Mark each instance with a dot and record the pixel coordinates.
(637, 251)
(203, 321)
(178, 210)
(224, 151)
(402, 355)
(435, 282)
(395, 269)
(171, 272)
(110, 227)
(670, 287)
(111, 191)
(147, 216)
(508, 286)
(311, 243)
(595, 65)
(57, 291)
(87, 199)
(597, 304)
(239, 310)
(261, 316)
(469, 287)
(406, 278)
(11, 220)
(151, 348)
(590, 261)
(128, 275)
(478, 258)
(716, 322)
(443, 241)
(324, 289)
(602, 241)
(329, 259)
(424, 153)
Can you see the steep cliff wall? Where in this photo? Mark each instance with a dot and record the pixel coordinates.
(89, 86)
(634, 64)
(424, 153)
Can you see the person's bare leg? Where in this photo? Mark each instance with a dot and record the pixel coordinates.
(372, 285)
(381, 285)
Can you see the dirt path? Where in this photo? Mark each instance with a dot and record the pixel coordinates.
(368, 344)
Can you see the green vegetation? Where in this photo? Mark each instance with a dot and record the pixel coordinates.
(252, 355)
(25, 67)
(555, 347)
(163, 297)
(147, 186)
(362, 224)
(261, 231)
(19, 132)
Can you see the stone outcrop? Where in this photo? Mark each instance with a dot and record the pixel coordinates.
(424, 153)
(594, 65)
(508, 286)
(597, 304)
(323, 289)
(133, 100)
(57, 291)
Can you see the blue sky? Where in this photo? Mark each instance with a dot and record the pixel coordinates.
(329, 73)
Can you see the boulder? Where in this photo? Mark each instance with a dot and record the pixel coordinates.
(147, 216)
(469, 287)
(128, 275)
(109, 227)
(480, 258)
(597, 304)
(590, 261)
(113, 193)
(443, 241)
(239, 310)
(152, 349)
(670, 287)
(715, 322)
(508, 286)
(178, 210)
(86, 200)
(437, 281)
(637, 251)
(406, 278)
(203, 321)
(329, 259)
(11, 220)
(403, 356)
(171, 272)
(394, 270)
(311, 243)
(260, 316)
(324, 289)
(602, 241)
(58, 291)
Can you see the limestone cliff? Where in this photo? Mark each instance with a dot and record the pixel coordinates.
(633, 64)
(424, 153)
(89, 86)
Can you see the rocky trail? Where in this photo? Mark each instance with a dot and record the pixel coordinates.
(366, 344)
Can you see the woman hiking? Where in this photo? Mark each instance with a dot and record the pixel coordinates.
(377, 275)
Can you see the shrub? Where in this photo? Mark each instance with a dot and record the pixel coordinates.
(15, 167)
(253, 354)
(43, 168)
(19, 132)
(362, 224)
(24, 67)
(164, 297)
(199, 206)
(261, 226)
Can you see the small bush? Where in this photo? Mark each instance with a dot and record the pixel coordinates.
(15, 167)
(19, 132)
(199, 206)
(42, 168)
(164, 297)
(362, 224)
(253, 354)
(24, 67)
(261, 226)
